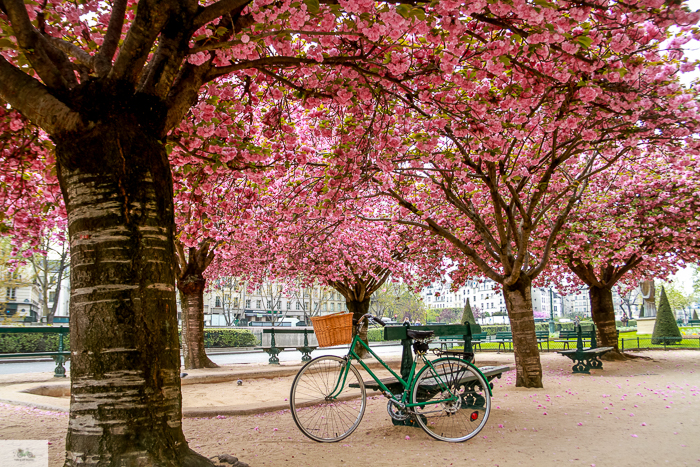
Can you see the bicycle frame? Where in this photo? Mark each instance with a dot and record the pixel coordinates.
(406, 384)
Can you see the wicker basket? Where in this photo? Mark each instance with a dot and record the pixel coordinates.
(335, 329)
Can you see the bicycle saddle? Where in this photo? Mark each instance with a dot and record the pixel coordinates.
(413, 334)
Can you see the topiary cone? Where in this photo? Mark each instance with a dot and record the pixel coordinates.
(467, 314)
(665, 329)
(641, 311)
(695, 314)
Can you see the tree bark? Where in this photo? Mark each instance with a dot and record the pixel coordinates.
(603, 313)
(518, 300)
(126, 404)
(191, 288)
(359, 309)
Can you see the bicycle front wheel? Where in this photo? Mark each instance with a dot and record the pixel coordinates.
(457, 400)
(328, 399)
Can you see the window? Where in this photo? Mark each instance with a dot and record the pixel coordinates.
(332, 306)
(247, 303)
(52, 296)
(258, 304)
(289, 305)
(298, 306)
(218, 302)
(235, 302)
(11, 293)
(269, 305)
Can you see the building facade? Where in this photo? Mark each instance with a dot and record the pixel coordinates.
(485, 295)
(231, 302)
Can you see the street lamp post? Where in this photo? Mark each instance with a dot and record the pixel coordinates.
(551, 313)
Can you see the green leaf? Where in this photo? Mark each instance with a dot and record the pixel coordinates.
(312, 6)
(418, 13)
(6, 44)
(584, 41)
(545, 4)
(505, 59)
(404, 10)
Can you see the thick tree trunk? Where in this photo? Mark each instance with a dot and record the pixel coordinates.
(358, 309)
(125, 364)
(192, 300)
(603, 313)
(522, 323)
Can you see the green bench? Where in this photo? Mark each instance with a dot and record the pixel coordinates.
(586, 358)
(506, 337)
(694, 322)
(566, 337)
(477, 339)
(59, 357)
(275, 339)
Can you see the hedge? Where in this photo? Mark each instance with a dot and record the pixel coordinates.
(375, 335)
(34, 342)
(37, 342)
(227, 338)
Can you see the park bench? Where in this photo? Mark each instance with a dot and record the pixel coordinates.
(567, 337)
(59, 357)
(585, 358)
(275, 340)
(506, 337)
(477, 339)
(694, 322)
(392, 333)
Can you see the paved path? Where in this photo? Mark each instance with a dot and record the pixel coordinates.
(8, 368)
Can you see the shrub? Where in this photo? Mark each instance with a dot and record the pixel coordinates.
(665, 329)
(34, 342)
(227, 338)
(375, 335)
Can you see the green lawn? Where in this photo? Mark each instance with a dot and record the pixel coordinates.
(632, 340)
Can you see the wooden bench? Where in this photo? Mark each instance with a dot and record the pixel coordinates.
(567, 337)
(477, 339)
(503, 338)
(506, 337)
(59, 357)
(274, 340)
(586, 358)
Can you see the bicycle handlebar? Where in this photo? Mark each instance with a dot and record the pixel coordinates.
(373, 318)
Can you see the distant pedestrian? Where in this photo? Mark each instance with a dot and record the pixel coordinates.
(417, 322)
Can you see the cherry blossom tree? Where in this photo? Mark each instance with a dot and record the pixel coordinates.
(108, 83)
(301, 237)
(649, 229)
(495, 157)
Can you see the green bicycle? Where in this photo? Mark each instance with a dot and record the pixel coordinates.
(448, 397)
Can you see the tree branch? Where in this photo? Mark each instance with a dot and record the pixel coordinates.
(35, 102)
(50, 64)
(215, 10)
(150, 20)
(103, 59)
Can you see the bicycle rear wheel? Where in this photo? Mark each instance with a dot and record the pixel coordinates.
(457, 420)
(327, 403)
